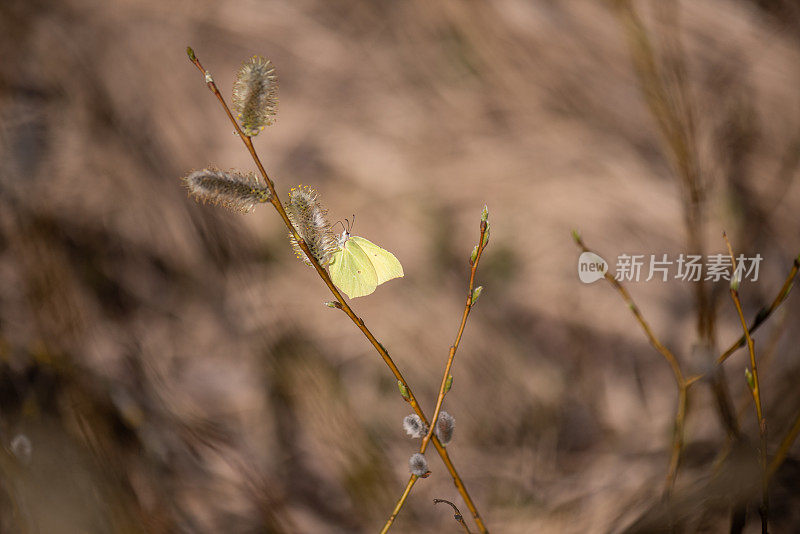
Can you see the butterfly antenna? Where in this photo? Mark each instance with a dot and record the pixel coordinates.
(337, 222)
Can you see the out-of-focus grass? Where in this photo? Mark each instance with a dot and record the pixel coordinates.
(173, 365)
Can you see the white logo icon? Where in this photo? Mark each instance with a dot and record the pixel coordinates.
(591, 267)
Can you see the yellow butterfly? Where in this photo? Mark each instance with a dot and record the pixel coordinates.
(360, 266)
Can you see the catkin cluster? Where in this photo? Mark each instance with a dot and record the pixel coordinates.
(231, 189)
(255, 95)
(310, 220)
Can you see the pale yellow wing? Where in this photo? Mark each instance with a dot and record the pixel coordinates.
(352, 271)
(385, 264)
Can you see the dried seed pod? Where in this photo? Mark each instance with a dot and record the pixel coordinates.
(310, 220)
(230, 189)
(255, 95)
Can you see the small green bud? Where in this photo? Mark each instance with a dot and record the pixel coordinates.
(576, 236)
(333, 304)
(448, 383)
(735, 281)
(474, 255)
(749, 377)
(190, 53)
(485, 213)
(486, 234)
(403, 390)
(476, 293)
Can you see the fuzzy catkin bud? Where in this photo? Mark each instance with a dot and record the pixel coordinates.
(255, 95)
(418, 465)
(414, 426)
(310, 220)
(233, 190)
(445, 425)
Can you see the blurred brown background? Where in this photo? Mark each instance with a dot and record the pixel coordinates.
(172, 365)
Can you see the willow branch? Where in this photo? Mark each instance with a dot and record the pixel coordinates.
(482, 242)
(342, 304)
(783, 450)
(399, 505)
(764, 313)
(754, 388)
(672, 361)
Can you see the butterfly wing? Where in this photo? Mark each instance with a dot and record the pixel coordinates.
(385, 264)
(352, 271)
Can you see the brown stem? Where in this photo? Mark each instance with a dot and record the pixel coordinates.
(275, 200)
(457, 514)
(680, 416)
(399, 505)
(764, 314)
(677, 441)
(454, 347)
(755, 389)
(786, 444)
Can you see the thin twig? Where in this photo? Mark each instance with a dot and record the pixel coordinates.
(275, 200)
(670, 107)
(442, 389)
(454, 347)
(764, 358)
(457, 515)
(754, 388)
(680, 416)
(764, 313)
(399, 505)
(783, 450)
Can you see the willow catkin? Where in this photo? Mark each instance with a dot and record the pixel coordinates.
(445, 425)
(310, 220)
(230, 189)
(418, 465)
(414, 426)
(255, 95)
